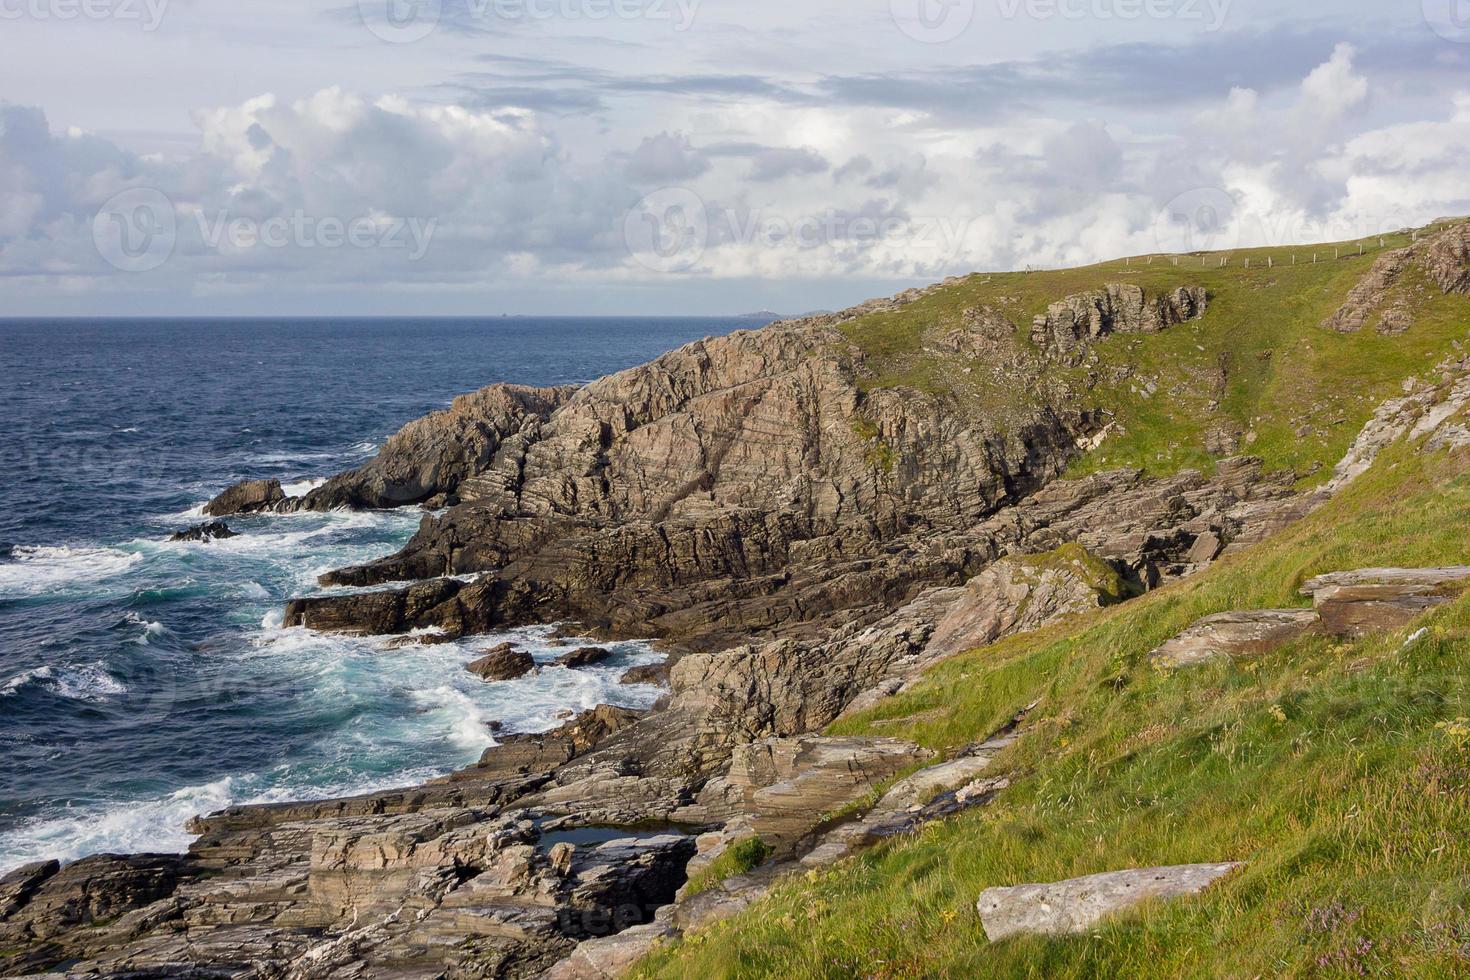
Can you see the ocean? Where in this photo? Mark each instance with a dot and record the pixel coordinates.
(144, 681)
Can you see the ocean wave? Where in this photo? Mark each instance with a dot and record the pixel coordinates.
(465, 724)
(156, 826)
(36, 571)
(301, 487)
(151, 826)
(88, 682)
(150, 628)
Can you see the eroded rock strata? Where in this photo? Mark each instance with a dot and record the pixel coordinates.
(804, 543)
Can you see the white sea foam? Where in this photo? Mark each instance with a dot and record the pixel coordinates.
(301, 488)
(464, 723)
(150, 629)
(38, 570)
(154, 826)
(83, 682)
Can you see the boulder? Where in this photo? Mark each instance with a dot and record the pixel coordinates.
(504, 663)
(248, 497)
(584, 657)
(656, 674)
(1244, 633)
(202, 533)
(1380, 600)
(1078, 904)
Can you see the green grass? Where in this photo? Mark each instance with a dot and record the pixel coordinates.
(744, 855)
(1325, 766)
(1296, 394)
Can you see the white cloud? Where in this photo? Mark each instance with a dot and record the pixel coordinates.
(807, 181)
(1334, 87)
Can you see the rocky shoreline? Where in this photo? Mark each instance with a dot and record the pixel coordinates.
(803, 544)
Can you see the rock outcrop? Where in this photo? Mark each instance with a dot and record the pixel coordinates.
(1379, 600)
(1018, 594)
(249, 497)
(1242, 634)
(1079, 904)
(1442, 258)
(436, 455)
(783, 788)
(504, 663)
(1070, 325)
(204, 533)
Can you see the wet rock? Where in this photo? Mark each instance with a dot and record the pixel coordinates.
(504, 663)
(211, 531)
(424, 605)
(540, 753)
(1245, 633)
(655, 674)
(1380, 600)
(584, 657)
(248, 497)
(1078, 904)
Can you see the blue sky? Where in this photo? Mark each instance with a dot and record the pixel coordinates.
(692, 156)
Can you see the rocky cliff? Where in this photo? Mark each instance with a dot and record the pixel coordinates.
(809, 516)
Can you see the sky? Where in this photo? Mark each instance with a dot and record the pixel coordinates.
(699, 157)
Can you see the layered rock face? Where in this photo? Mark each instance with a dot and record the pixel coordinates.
(738, 485)
(1069, 325)
(1442, 259)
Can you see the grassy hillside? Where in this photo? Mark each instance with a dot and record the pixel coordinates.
(1258, 363)
(1339, 771)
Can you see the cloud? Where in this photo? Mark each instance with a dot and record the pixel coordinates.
(779, 162)
(1334, 87)
(528, 169)
(665, 159)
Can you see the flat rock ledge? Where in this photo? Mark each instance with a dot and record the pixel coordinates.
(1348, 606)
(1078, 904)
(1381, 600)
(1242, 633)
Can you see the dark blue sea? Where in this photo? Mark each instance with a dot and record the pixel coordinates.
(143, 681)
